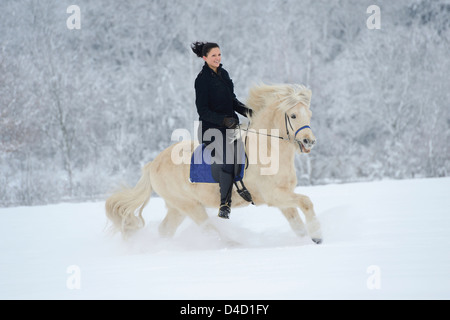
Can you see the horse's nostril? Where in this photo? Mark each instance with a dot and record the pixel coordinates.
(313, 142)
(305, 141)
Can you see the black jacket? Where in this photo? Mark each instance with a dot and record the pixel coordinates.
(215, 98)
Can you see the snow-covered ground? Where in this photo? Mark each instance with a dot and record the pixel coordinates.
(382, 240)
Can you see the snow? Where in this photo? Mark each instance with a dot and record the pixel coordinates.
(382, 240)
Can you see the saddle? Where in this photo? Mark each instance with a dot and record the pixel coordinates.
(204, 170)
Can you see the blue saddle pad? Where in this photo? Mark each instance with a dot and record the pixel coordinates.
(201, 168)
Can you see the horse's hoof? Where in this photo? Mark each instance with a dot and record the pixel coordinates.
(317, 240)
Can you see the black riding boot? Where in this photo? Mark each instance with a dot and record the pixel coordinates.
(226, 185)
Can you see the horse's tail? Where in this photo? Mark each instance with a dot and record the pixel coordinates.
(124, 208)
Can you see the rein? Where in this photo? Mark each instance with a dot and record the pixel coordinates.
(286, 121)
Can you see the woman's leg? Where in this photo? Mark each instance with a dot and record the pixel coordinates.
(227, 174)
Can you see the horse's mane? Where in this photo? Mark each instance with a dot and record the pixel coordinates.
(286, 96)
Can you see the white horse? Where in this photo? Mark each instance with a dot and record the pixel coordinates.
(284, 108)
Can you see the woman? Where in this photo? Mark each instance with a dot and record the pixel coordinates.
(217, 106)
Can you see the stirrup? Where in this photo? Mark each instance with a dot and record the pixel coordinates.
(244, 193)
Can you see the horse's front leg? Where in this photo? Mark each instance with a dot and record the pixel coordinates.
(287, 200)
(296, 223)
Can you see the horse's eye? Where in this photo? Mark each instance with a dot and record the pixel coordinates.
(293, 116)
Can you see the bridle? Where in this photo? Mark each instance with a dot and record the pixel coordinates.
(286, 122)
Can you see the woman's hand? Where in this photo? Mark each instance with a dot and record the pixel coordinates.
(230, 122)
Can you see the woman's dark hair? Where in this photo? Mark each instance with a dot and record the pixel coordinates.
(201, 49)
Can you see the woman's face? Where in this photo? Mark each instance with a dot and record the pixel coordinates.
(213, 58)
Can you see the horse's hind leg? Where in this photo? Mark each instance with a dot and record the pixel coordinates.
(176, 215)
(296, 223)
(197, 212)
(171, 222)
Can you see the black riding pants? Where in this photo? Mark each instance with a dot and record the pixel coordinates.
(223, 148)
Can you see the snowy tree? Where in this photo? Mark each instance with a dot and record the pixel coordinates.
(83, 110)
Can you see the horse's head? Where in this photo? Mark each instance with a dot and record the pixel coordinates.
(287, 107)
(297, 121)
